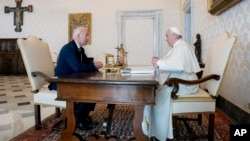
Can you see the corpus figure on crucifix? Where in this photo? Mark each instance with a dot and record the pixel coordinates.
(18, 13)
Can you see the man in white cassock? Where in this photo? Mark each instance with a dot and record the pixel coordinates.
(179, 62)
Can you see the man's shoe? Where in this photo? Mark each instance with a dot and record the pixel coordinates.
(83, 126)
(91, 122)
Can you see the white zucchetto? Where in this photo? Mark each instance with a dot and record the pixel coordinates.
(175, 30)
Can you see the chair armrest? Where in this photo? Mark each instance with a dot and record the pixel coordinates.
(176, 81)
(41, 74)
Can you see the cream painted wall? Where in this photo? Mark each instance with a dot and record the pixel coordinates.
(49, 20)
(236, 21)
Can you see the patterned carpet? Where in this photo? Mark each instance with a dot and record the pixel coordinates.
(122, 127)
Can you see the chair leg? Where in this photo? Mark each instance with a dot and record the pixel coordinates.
(175, 118)
(63, 119)
(199, 119)
(192, 135)
(211, 127)
(38, 122)
(58, 113)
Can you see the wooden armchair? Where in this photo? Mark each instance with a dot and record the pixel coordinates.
(39, 67)
(203, 102)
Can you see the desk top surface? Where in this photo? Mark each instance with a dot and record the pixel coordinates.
(103, 78)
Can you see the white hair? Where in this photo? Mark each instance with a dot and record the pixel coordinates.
(78, 30)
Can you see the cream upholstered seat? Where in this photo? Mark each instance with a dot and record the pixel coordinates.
(204, 100)
(39, 66)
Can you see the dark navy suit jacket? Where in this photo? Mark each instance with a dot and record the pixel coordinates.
(69, 61)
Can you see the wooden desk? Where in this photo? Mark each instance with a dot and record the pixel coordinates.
(138, 90)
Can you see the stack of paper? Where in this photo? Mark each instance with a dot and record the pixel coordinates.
(139, 70)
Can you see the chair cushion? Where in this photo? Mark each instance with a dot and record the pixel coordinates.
(200, 102)
(47, 98)
(201, 95)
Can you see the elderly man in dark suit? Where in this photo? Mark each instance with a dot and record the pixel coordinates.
(72, 59)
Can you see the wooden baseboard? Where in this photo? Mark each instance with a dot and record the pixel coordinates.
(238, 115)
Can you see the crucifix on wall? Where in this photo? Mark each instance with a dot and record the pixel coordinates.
(18, 13)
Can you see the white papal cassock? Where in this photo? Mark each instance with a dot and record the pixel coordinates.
(179, 62)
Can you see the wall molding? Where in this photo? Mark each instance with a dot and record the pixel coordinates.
(155, 15)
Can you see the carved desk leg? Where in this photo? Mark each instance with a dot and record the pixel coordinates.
(68, 134)
(139, 136)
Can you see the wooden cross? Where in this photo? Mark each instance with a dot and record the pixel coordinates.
(18, 13)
